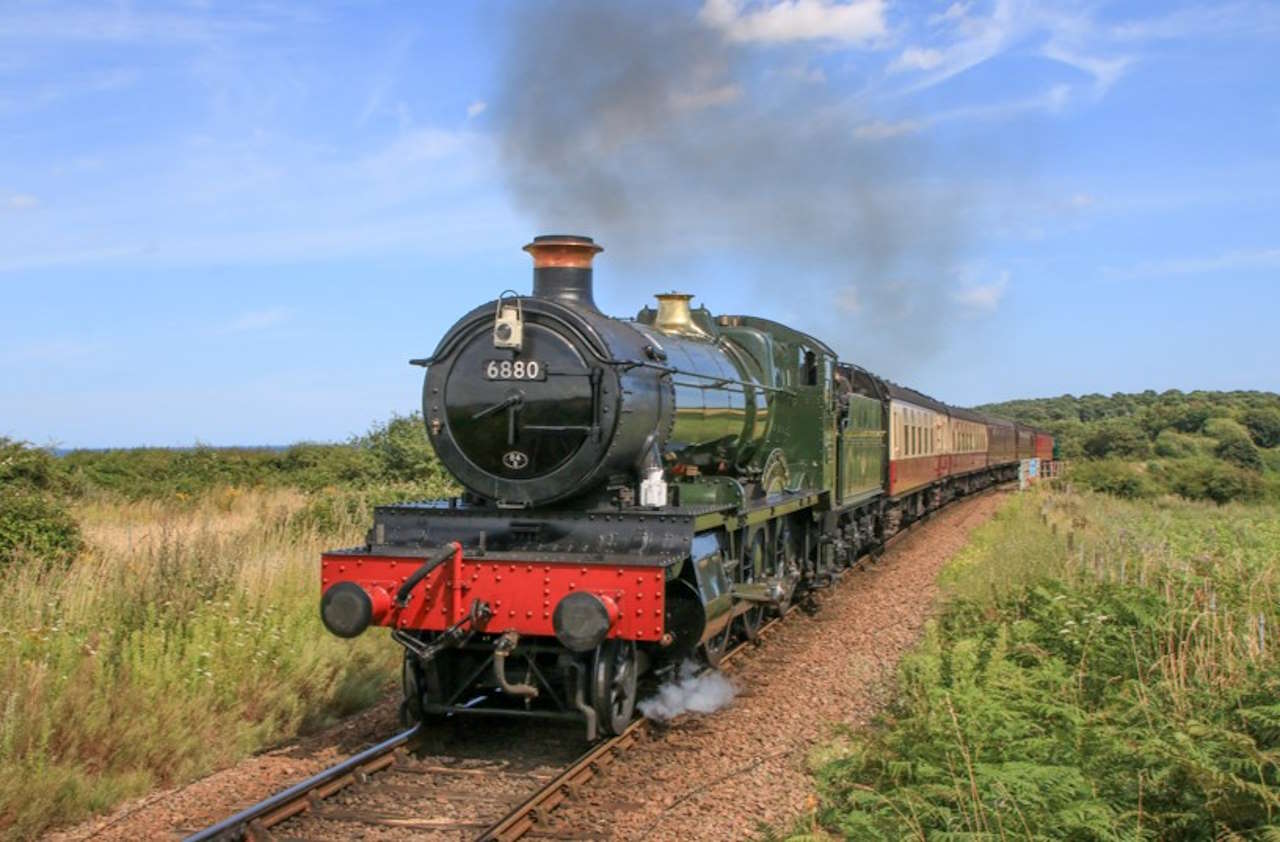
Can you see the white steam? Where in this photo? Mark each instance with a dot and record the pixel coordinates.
(690, 690)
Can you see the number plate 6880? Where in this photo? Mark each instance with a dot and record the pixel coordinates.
(514, 370)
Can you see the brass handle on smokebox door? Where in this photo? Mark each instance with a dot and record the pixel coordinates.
(402, 595)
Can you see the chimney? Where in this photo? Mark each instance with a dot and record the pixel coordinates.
(562, 268)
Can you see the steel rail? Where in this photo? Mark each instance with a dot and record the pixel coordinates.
(297, 798)
(535, 808)
(300, 797)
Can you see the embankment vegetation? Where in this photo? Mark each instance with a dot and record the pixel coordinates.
(1099, 669)
(1218, 446)
(160, 614)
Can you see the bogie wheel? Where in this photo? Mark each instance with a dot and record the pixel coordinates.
(753, 563)
(613, 684)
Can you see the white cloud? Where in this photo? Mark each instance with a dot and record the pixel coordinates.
(422, 191)
(477, 108)
(1080, 201)
(984, 296)
(21, 201)
(916, 58)
(882, 130)
(855, 22)
(1050, 100)
(257, 320)
(1105, 71)
(954, 12)
(1230, 261)
(1068, 37)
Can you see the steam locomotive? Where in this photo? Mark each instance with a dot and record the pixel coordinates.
(638, 492)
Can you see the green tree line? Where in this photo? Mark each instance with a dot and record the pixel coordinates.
(1218, 446)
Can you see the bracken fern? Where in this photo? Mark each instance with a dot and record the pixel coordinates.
(1099, 670)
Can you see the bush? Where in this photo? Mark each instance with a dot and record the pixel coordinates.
(395, 452)
(1176, 414)
(1204, 479)
(1263, 426)
(1113, 476)
(35, 528)
(1225, 429)
(313, 466)
(401, 451)
(1239, 452)
(34, 525)
(1234, 444)
(1171, 444)
(1117, 437)
(33, 468)
(164, 472)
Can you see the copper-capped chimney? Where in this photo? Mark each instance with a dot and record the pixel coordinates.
(562, 268)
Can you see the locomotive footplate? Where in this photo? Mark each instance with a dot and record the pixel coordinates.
(541, 614)
(621, 536)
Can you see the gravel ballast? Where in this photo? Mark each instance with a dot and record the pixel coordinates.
(717, 776)
(726, 775)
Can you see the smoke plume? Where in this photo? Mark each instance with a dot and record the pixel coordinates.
(669, 141)
(690, 690)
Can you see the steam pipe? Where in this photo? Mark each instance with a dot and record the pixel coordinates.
(506, 644)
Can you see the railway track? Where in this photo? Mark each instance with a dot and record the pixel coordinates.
(453, 789)
(387, 792)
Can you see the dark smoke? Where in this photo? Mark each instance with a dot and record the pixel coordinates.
(647, 129)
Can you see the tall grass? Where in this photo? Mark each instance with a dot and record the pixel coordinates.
(1099, 669)
(184, 637)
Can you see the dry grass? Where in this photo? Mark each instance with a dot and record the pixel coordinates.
(185, 637)
(139, 526)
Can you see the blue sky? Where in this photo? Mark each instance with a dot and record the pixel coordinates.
(235, 223)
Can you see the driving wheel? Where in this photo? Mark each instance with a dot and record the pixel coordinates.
(753, 562)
